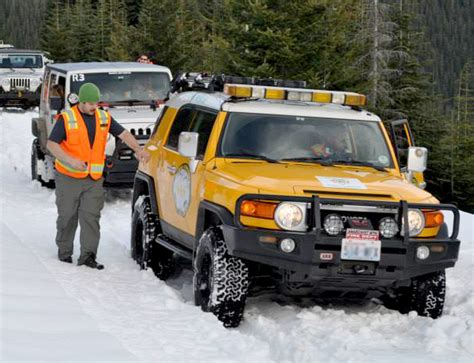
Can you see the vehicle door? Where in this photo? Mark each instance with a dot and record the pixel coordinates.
(402, 138)
(180, 182)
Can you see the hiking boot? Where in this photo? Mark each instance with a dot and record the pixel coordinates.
(66, 259)
(92, 263)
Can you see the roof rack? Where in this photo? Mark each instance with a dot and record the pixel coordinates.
(203, 81)
(246, 88)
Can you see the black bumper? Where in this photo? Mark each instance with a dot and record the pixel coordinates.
(317, 256)
(19, 98)
(120, 168)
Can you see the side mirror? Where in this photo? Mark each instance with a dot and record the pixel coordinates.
(55, 103)
(188, 144)
(417, 159)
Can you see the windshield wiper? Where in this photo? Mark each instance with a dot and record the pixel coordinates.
(245, 154)
(311, 159)
(361, 163)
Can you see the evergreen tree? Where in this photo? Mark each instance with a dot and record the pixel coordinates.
(55, 35)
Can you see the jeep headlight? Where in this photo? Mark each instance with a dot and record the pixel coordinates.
(6, 82)
(416, 222)
(34, 83)
(291, 216)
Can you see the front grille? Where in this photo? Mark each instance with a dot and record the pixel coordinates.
(19, 83)
(141, 131)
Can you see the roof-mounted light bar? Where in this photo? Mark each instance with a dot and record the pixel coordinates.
(292, 94)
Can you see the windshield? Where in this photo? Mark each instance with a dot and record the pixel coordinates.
(125, 86)
(18, 60)
(305, 139)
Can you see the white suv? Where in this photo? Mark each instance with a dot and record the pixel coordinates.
(133, 93)
(21, 76)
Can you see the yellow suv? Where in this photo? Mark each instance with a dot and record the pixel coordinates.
(266, 186)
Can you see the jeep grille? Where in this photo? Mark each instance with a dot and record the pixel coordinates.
(19, 83)
(141, 131)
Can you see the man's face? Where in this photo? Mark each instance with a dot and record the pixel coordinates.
(143, 59)
(89, 107)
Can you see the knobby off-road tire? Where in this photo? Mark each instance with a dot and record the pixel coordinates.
(144, 248)
(37, 154)
(220, 280)
(425, 295)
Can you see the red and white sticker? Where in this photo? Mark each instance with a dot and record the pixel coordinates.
(326, 256)
(362, 234)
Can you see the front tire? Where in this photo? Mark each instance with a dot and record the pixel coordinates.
(37, 155)
(426, 295)
(144, 248)
(220, 280)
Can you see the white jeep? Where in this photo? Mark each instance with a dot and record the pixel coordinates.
(131, 92)
(21, 76)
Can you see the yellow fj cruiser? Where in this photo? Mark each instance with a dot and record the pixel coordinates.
(270, 186)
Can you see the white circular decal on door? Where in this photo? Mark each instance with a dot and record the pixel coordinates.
(182, 190)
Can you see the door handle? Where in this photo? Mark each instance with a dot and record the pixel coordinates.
(171, 169)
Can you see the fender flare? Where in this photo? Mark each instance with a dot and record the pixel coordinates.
(211, 214)
(144, 184)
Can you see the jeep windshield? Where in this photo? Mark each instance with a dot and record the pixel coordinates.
(125, 88)
(306, 139)
(20, 60)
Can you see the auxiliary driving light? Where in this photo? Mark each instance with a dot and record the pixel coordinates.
(388, 227)
(333, 224)
(287, 245)
(416, 222)
(422, 252)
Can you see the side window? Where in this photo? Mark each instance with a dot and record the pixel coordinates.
(52, 83)
(46, 86)
(202, 124)
(401, 135)
(181, 123)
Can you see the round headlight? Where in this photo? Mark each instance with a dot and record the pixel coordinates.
(34, 82)
(388, 227)
(416, 222)
(333, 224)
(289, 216)
(5, 81)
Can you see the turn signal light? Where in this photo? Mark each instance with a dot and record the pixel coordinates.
(433, 218)
(252, 208)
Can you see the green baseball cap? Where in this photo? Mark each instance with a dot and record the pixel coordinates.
(89, 92)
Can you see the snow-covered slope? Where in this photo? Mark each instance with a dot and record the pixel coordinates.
(51, 311)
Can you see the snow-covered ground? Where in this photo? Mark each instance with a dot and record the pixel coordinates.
(52, 311)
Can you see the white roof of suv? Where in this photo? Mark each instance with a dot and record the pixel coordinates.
(221, 101)
(97, 67)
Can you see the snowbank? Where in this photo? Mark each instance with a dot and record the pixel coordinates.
(51, 311)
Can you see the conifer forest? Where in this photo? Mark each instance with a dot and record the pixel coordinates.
(413, 58)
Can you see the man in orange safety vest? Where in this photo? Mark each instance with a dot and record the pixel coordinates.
(78, 141)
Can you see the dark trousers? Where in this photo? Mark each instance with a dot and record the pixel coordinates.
(78, 200)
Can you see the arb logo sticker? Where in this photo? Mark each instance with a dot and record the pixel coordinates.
(326, 256)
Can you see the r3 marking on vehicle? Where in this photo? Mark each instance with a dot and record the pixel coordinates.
(289, 189)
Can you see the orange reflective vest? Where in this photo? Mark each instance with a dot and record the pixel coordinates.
(77, 143)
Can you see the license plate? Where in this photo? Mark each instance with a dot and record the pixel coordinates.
(361, 245)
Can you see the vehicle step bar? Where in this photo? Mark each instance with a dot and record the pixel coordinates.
(175, 247)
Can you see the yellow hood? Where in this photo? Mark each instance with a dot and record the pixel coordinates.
(305, 179)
